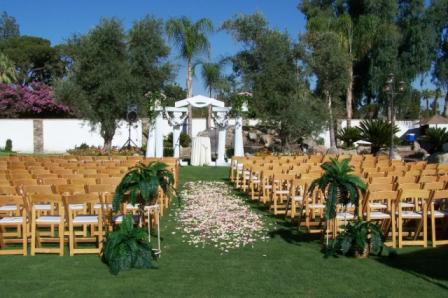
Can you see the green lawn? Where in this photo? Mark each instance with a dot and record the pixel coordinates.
(289, 264)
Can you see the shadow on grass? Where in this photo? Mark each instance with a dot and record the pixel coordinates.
(430, 264)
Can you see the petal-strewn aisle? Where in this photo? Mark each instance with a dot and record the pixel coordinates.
(213, 215)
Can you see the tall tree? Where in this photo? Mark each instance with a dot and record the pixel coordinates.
(35, 59)
(7, 70)
(106, 77)
(438, 18)
(270, 67)
(191, 39)
(329, 61)
(8, 26)
(211, 74)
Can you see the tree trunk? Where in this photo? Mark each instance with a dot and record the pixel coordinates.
(190, 94)
(434, 105)
(209, 115)
(331, 123)
(445, 108)
(349, 96)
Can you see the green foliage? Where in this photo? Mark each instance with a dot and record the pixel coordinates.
(270, 69)
(356, 236)
(8, 72)
(35, 59)
(349, 135)
(436, 137)
(127, 247)
(141, 184)
(8, 145)
(338, 185)
(184, 140)
(109, 73)
(86, 150)
(377, 132)
(8, 26)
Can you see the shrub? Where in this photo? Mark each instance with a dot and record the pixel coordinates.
(185, 140)
(127, 247)
(35, 100)
(8, 145)
(349, 135)
(435, 137)
(377, 132)
(86, 150)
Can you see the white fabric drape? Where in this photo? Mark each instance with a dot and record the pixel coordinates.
(201, 153)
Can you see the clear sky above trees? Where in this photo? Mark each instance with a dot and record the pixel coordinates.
(56, 20)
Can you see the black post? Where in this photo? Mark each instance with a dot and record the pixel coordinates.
(392, 123)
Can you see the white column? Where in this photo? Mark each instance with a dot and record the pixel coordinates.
(176, 140)
(151, 145)
(221, 146)
(159, 134)
(221, 120)
(238, 137)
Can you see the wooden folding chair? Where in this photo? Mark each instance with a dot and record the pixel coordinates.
(412, 206)
(82, 217)
(49, 217)
(380, 206)
(438, 211)
(280, 192)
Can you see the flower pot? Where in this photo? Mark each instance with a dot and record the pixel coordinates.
(364, 254)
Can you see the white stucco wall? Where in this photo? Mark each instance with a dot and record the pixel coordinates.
(59, 135)
(20, 131)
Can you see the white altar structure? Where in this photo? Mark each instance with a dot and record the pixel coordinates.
(176, 117)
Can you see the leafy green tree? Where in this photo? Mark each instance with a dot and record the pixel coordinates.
(8, 26)
(269, 68)
(330, 63)
(438, 16)
(35, 59)
(7, 70)
(191, 39)
(106, 75)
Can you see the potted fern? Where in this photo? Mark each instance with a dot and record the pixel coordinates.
(341, 187)
(141, 185)
(127, 247)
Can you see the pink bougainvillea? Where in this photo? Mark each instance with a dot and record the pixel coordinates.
(35, 100)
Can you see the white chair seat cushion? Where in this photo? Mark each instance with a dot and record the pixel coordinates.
(85, 219)
(298, 198)
(316, 206)
(268, 186)
(410, 214)
(132, 207)
(439, 214)
(8, 208)
(48, 219)
(11, 219)
(42, 206)
(98, 206)
(344, 216)
(407, 205)
(282, 192)
(77, 206)
(379, 215)
(377, 205)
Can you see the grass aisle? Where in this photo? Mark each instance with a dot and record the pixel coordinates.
(289, 264)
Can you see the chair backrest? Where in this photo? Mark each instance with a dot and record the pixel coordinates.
(385, 180)
(413, 194)
(101, 188)
(425, 179)
(373, 187)
(55, 181)
(409, 186)
(436, 185)
(82, 181)
(8, 190)
(69, 189)
(110, 180)
(37, 189)
(406, 179)
(87, 200)
(439, 194)
(54, 200)
(21, 182)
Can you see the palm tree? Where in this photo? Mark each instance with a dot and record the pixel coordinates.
(7, 70)
(213, 80)
(191, 39)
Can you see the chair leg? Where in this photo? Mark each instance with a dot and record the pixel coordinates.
(433, 230)
(400, 232)
(25, 238)
(425, 229)
(61, 238)
(33, 235)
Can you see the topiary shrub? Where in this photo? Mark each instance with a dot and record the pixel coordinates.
(435, 137)
(8, 145)
(349, 135)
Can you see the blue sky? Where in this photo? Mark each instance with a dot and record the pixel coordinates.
(58, 19)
